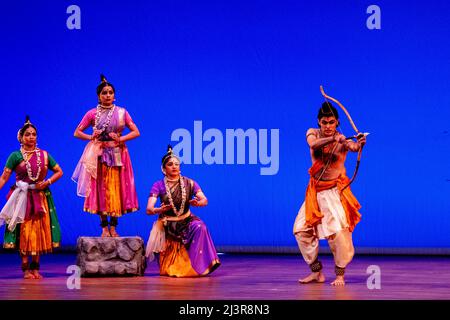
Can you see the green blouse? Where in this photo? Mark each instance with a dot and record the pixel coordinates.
(16, 157)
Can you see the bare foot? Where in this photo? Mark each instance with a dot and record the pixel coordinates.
(313, 277)
(339, 281)
(113, 232)
(28, 275)
(105, 233)
(36, 274)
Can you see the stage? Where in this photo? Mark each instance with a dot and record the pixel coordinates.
(240, 277)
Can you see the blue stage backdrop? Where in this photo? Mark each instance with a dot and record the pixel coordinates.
(197, 74)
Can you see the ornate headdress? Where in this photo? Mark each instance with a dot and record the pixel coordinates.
(27, 123)
(167, 157)
(103, 79)
(104, 83)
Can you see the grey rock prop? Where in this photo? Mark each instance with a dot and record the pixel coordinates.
(121, 256)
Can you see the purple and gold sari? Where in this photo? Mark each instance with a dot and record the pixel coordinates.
(189, 250)
(104, 173)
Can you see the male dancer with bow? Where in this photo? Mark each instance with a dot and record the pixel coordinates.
(330, 210)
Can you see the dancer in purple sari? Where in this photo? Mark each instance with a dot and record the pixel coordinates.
(182, 239)
(104, 173)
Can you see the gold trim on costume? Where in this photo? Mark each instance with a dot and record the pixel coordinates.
(45, 163)
(214, 264)
(34, 253)
(9, 245)
(179, 218)
(103, 213)
(121, 117)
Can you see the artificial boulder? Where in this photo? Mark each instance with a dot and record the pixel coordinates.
(121, 256)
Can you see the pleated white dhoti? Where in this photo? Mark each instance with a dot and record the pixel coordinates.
(333, 227)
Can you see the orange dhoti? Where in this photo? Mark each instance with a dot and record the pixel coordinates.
(328, 212)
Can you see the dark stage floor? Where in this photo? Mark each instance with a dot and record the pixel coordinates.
(240, 277)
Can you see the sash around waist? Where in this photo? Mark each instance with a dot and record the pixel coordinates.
(178, 218)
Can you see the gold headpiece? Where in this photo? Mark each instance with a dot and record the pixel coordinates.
(167, 156)
(27, 122)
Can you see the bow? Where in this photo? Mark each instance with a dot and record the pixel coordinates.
(358, 133)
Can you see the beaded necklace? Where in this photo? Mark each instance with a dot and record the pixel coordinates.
(28, 164)
(98, 113)
(183, 196)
